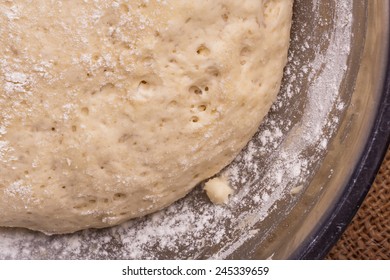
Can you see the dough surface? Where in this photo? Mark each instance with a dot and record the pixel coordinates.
(111, 110)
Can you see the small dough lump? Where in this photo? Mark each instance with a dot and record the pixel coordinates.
(218, 190)
(111, 110)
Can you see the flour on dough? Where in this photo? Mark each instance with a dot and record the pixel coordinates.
(111, 110)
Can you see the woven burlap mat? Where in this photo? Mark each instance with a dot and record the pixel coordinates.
(368, 235)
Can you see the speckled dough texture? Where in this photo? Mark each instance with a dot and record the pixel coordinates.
(111, 110)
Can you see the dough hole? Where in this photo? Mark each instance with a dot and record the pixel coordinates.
(195, 90)
(225, 17)
(74, 128)
(152, 80)
(194, 119)
(80, 206)
(203, 50)
(147, 60)
(107, 88)
(173, 103)
(90, 203)
(95, 57)
(124, 138)
(244, 55)
(143, 83)
(213, 71)
(119, 196)
(202, 108)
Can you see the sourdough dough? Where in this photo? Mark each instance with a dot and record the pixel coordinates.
(111, 110)
(218, 190)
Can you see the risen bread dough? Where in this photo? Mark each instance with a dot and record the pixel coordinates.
(110, 110)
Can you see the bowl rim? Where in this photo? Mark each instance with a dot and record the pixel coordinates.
(337, 220)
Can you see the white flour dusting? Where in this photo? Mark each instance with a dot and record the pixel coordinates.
(274, 165)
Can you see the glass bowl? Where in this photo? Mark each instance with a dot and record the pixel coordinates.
(299, 181)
